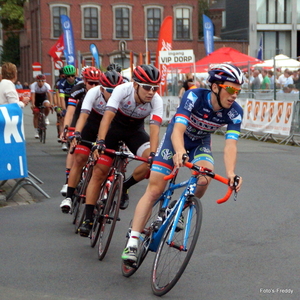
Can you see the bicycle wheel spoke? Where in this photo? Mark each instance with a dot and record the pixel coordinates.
(171, 259)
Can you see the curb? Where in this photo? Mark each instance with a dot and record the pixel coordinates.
(22, 197)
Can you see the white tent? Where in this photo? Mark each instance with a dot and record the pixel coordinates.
(281, 61)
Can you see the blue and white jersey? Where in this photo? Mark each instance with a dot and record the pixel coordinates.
(196, 112)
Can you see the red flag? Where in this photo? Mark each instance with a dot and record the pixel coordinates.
(57, 50)
(164, 44)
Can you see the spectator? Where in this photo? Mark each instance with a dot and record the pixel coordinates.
(26, 86)
(272, 78)
(8, 93)
(255, 84)
(19, 86)
(286, 78)
(296, 78)
(265, 85)
(293, 89)
(187, 84)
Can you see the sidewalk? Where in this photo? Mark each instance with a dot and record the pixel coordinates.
(22, 197)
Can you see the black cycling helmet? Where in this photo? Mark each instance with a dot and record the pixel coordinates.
(225, 72)
(69, 70)
(146, 74)
(115, 67)
(111, 79)
(41, 77)
(61, 71)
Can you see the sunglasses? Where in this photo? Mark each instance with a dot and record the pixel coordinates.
(230, 89)
(109, 90)
(40, 80)
(70, 76)
(93, 83)
(148, 87)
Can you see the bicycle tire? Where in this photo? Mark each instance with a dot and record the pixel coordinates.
(129, 269)
(95, 231)
(42, 128)
(80, 215)
(111, 214)
(170, 262)
(75, 208)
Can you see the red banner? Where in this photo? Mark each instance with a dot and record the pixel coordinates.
(57, 50)
(164, 44)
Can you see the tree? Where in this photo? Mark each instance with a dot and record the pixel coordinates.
(12, 19)
(202, 9)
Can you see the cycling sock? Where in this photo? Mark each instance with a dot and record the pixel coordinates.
(89, 210)
(128, 183)
(134, 239)
(70, 192)
(67, 174)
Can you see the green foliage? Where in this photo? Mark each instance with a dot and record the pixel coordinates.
(202, 9)
(11, 14)
(11, 49)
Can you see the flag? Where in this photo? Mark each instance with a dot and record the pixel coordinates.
(69, 50)
(94, 51)
(164, 44)
(260, 49)
(57, 49)
(208, 32)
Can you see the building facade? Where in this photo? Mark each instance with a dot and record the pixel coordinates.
(116, 28)
(276, 21)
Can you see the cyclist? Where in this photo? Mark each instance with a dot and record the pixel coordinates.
(201, 112)
(92, 110)
(41, 95)
(123, 119)
(64, 88)
(90, 77)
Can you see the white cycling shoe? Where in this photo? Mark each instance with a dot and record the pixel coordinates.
(64, 189)
(66, 205)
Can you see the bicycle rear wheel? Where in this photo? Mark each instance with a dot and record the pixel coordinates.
(110, 217)
(171, 259)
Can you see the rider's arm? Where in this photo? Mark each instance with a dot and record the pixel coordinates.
(81, 121)
(178, 143)
(69, 115)
(50, 97)
(154, 137)
(33, 99)
(105, 123)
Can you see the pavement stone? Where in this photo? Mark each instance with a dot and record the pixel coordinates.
(22, 197)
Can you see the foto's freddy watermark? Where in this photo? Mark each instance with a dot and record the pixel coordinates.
(276, 291)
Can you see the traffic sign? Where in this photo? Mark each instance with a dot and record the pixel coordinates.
(58, 64)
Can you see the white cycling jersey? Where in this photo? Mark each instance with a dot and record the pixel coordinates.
(34, 88)
(93, 100)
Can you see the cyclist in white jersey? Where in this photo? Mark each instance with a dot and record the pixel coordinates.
(41, 95)
(126, 110)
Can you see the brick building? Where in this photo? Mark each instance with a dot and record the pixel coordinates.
(115, 27)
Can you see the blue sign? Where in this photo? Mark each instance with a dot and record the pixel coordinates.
(94, 51)
(208, 31)
(69, 50)
(13, 162)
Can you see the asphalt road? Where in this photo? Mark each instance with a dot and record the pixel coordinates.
(248, 249)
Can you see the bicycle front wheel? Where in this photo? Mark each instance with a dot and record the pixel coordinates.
(172, 258)
(110, 217)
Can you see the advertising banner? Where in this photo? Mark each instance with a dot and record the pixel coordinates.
(208, 32)
(13, 163)
(69, 47)
(95, 53)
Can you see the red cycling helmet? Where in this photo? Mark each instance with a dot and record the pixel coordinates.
(90, 73)
(111, 79)
(146, 74)
(41, 77)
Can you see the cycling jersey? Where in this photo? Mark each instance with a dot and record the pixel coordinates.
(64, 87)
(196, 112)
(40, 92)
(128, 112)
(128, 123)
(76, 97)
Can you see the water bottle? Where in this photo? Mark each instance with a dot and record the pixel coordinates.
(107, 188)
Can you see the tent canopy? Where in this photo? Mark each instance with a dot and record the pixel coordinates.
(222, 55)
(281, 61)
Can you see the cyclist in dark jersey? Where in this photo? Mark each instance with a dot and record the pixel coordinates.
(92, 110)
(90, 78)
(201, 112)
(41, 95)
(123, 119)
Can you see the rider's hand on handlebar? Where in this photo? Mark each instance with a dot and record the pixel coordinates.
(150, 159)
(178, 159)
(98, 148)
(235, 182)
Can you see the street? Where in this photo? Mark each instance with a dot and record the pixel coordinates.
(247, 250)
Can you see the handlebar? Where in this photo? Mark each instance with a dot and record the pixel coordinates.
(206, 172)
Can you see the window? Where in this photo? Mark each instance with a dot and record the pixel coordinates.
(122, 22)
(90, 22)
(57, 11)
(153, 17)
(182, 23)
(274, 11)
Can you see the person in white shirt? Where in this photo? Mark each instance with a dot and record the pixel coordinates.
(8, 93)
